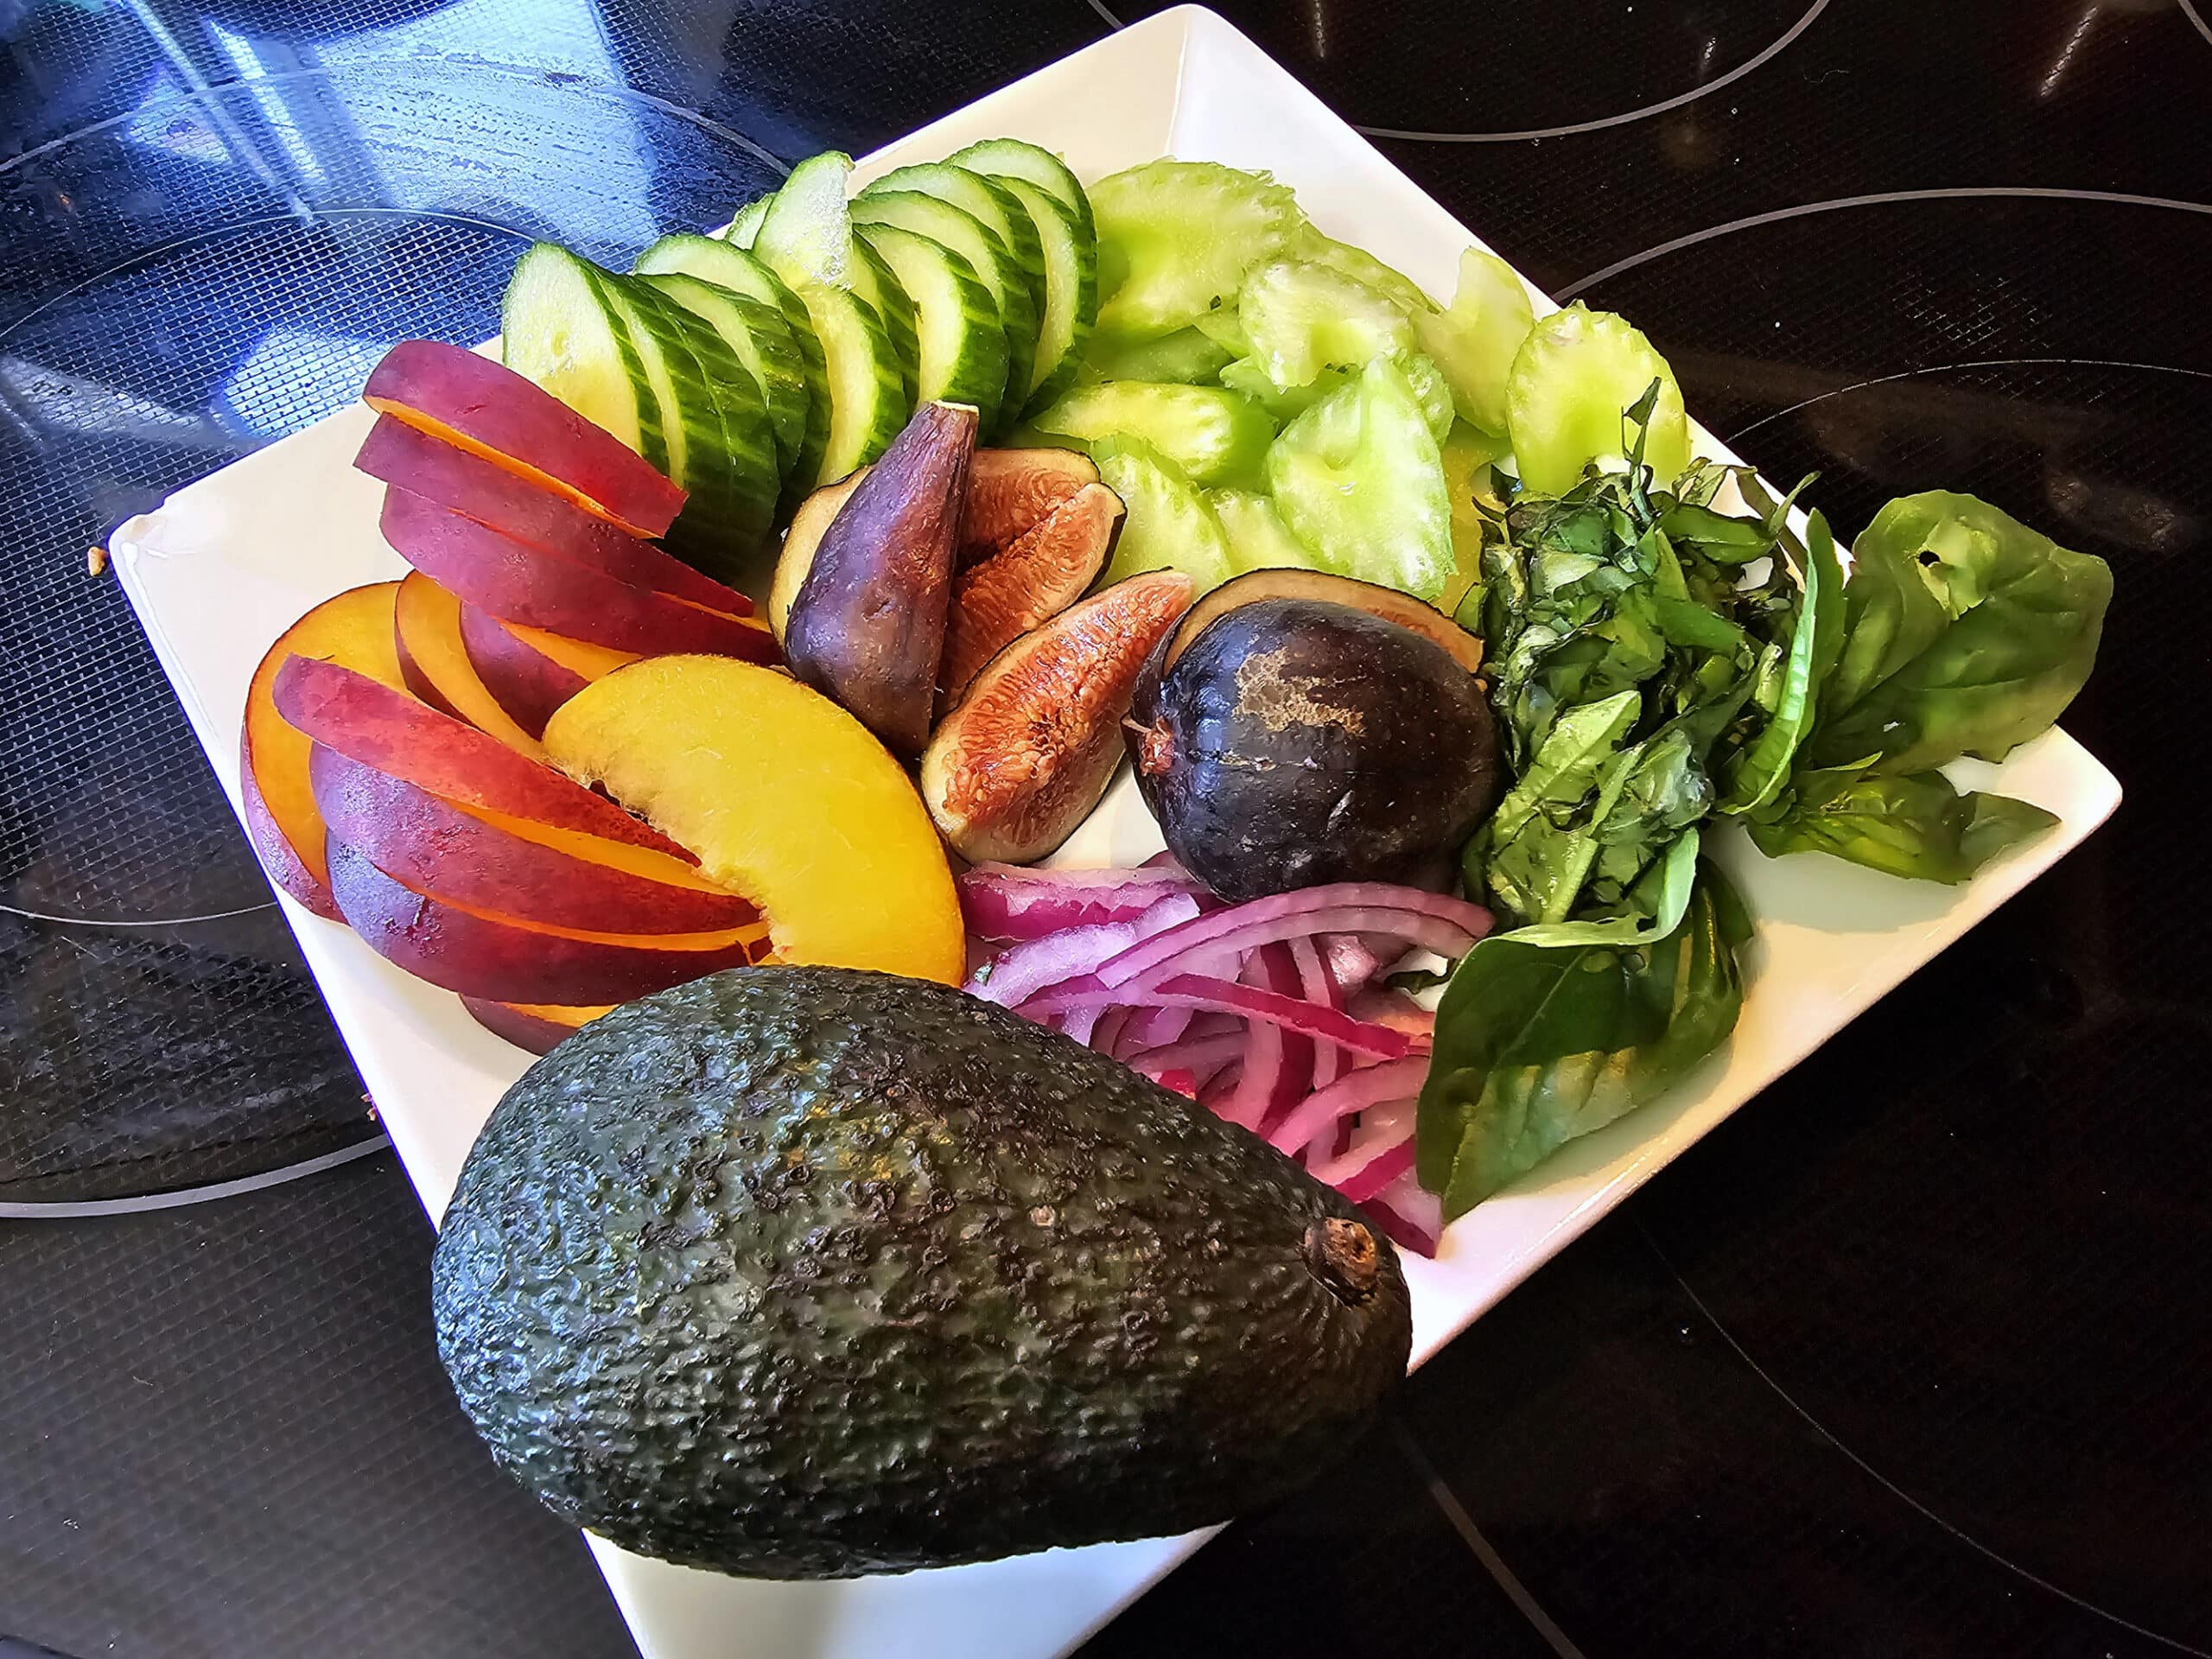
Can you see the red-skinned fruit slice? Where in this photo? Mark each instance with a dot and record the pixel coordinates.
(526, 682)
(1010, 490)
(539, 1027)
(1048, 567)
(867, 626)
(1031, 748)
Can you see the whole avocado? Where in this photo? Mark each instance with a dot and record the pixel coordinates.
(810, 1273)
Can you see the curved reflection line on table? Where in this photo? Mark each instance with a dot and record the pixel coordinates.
(158, 921)
(1946, 368)
(191, 1195)
(1660, 108)
(1955, 193)
(511, 72)
(2188, 11)
(1884, 1482)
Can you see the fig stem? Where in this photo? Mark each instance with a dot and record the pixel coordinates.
(1155, 746)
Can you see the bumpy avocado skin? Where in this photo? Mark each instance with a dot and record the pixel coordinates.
(808, 1272)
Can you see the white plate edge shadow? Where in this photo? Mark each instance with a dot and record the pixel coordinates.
(1051, 1601)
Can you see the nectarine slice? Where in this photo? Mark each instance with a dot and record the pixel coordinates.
(538, 1027)
(483, 953)
(517, 582)
(354, 629)
(527, 684)
(439, 849)
(784, 796)
(406, 455)
(386, 728)
(489, 409)
(426, 622)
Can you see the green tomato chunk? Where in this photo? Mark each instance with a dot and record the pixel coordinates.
(1573, 381)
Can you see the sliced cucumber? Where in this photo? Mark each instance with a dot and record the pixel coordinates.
(962, 344)
(874, 281)
(1358, 478)
(1187, 357)
(745, 226)
(1256, 535)
(762, 342)
(1013, 158)
(867, 399)
(558, 331)
(995, 267)
(998, 208)
(1573, 379)
(1071, 290)
(1217, 436)
(717, 261)
(1176, 237)
(1166, 524)
(804, 235)
(1475, 340)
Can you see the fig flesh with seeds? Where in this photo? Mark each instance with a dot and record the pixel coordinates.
(1010, 490)
(867, 625)
(1048, 567)
(1030, 749)
(1292, 741)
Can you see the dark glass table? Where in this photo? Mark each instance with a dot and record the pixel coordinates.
(1905, 1359)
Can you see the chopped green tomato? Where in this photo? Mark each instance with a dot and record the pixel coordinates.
(558, 331)
(1431, 390)
(745, 226)
(1186, 358)
(1475, 340)
(998, 208)
(1217, 436)
(995, 267)
(1070, 256)
(963, 345)
(1226, 329)
(1258, 538)
(1176, 237)
(868, 402)
(874, 281)
(1303, 319)
(1467, 455)
(758, 336)
(1358, 479)
(1361, 266)
(1423, 378)
(1165, 522)
(1011, 158)
(804, 234)
(712, 260)
(1572, 380)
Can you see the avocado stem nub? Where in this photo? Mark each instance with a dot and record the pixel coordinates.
(1345, 1257)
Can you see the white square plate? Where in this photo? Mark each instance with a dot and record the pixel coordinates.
(226, 564)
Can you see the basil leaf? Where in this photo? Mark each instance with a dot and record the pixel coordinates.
(1917, 826)
(1815, 635)
(1548, 1033)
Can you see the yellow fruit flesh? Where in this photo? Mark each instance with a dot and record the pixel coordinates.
(782, 797)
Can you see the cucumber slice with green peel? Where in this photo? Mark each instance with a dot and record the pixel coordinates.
(1302, 319)
(1258, 538)
(1475, 338)
(1215, 435)
(1175, 239)
(874, 281)
(714, 261)
(962, 344)
(966, 236)
(1185, 357)
(1572, 382)
(1013, 158)
(559, 331)
(804, 235)
(1358, 479)
(1070, 291)
(1166, 523)
(868, 400)
(745, 225)
(987, 199)
(761, 340)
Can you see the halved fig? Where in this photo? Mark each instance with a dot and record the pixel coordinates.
(1031, 748)
(867, 625)
(1048, 569)
(807, 527)
(1280, 582)
(1010, 490)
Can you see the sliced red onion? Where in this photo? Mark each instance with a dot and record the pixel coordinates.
(1006, 901)
(1182, 1082)
(1021, 970)
(1107, 1039)
(1200, 1056)
(1395, 1009)
(1408, 1215)
(1078, 1023)
(1449, 926)
(1315, 980)
(1356, 1092)
(1352, 964)
(1220, 996)
(1157, 1027)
